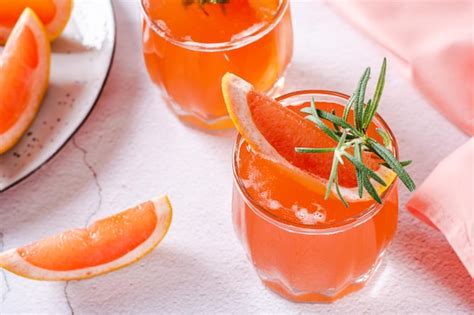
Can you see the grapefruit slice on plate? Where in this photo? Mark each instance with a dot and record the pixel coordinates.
(24, 75)
(106, 245)
(273, 131)
(54, 14)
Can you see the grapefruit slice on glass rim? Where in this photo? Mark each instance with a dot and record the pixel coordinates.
(104, 246)
(273, 131)
(24, 76)
(54, 14)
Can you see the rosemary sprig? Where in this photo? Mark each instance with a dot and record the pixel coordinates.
(355, 136)
(203, 2)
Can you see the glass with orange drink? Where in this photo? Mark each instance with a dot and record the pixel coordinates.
(315, 196)
(189, 46)
(302, 246)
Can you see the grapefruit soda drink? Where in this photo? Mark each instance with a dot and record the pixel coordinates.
(188, 48)
(302, 246)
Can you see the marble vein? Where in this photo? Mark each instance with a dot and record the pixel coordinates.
(68, 300)
(95, 177)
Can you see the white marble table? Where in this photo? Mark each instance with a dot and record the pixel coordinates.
(132, 148)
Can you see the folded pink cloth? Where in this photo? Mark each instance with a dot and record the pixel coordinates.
(446, 201)
(434, 40)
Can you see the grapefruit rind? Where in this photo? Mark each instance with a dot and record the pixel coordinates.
(235, 91)
(10, 260)
(29, 19)
(54, 28)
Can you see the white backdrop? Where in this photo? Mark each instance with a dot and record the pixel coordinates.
(132, 148)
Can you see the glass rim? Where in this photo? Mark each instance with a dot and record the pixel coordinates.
(218, 46)
(343, 225)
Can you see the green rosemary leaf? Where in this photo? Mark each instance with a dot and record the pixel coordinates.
(359, 105)
(335, 119)
(348, 137)
(350, 103)
(340, 194)
(370, 189)
(313, 150)
(336, 127)
(367, 110)
(315, 118)
(358, 157)
(323, 127)
(339, 157)
(405, 163)
(386, 138)
(335, 163)
(307, 110)
(402, 163)
(364, 169)
(332, 176)
(393, 163)
(354, 135)
(341, 141)
(368, 115)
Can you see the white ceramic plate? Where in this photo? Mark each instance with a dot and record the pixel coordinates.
(81, 59)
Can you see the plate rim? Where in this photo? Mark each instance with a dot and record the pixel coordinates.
(86, 117)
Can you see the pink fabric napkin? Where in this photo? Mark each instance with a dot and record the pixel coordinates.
(433, 40)
(446, 201)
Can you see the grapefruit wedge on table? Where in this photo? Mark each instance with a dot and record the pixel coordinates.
(106, 245)
(24, 76)
(54, 14)
(273, 131)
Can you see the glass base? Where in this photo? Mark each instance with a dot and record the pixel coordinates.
(196, 120)
(330, 296)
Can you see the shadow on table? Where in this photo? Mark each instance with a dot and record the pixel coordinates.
(431, 254)
(166, 280)
(68, 45)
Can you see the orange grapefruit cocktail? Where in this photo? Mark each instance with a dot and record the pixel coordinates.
(307, 243)
(304, 247)
(189, 46)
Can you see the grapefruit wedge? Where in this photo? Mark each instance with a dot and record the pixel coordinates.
(106, 245)
(24, 76)
(274, 131)
(54, 14)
